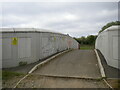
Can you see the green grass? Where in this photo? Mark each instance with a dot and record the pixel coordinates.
(8, 75)
(118, 83)
(86, 47)
(0, 74)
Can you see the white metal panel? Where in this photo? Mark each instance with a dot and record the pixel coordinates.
(45, 46)
(28, 49)
(0, 49)
(6, 53)
(24, 47)
(115, 47)
(107, 43)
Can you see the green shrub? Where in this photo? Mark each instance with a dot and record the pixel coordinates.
(109, 25)
(22, 63)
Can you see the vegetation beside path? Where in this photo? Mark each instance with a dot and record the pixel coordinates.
(8, 75)
(9, 79)
(86, 47)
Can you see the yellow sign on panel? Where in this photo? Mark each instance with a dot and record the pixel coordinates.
(14, 41)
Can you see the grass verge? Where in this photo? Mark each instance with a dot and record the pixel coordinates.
(8, 75)
(0, 74)
(86, 47)
(115, 83)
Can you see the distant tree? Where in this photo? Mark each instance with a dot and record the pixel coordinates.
(109, 25)
(82, 40)
(91, 39)
(86, 40)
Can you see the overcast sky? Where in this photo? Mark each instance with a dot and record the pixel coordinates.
(74, 18)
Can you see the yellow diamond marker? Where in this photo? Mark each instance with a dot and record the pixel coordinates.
(14, 41)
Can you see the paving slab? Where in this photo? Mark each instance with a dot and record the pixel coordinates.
(81, 63)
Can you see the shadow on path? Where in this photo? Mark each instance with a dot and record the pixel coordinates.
(110, 72)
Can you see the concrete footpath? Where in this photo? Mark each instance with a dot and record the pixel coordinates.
(60, 72)
(80, 63)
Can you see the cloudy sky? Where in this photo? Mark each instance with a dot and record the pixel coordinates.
(73, 18)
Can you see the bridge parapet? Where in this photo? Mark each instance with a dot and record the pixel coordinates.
(108, 42)
(28, 45)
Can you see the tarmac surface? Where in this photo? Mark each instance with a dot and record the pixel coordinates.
(80, 63)
(62, 70)
(37, 81)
